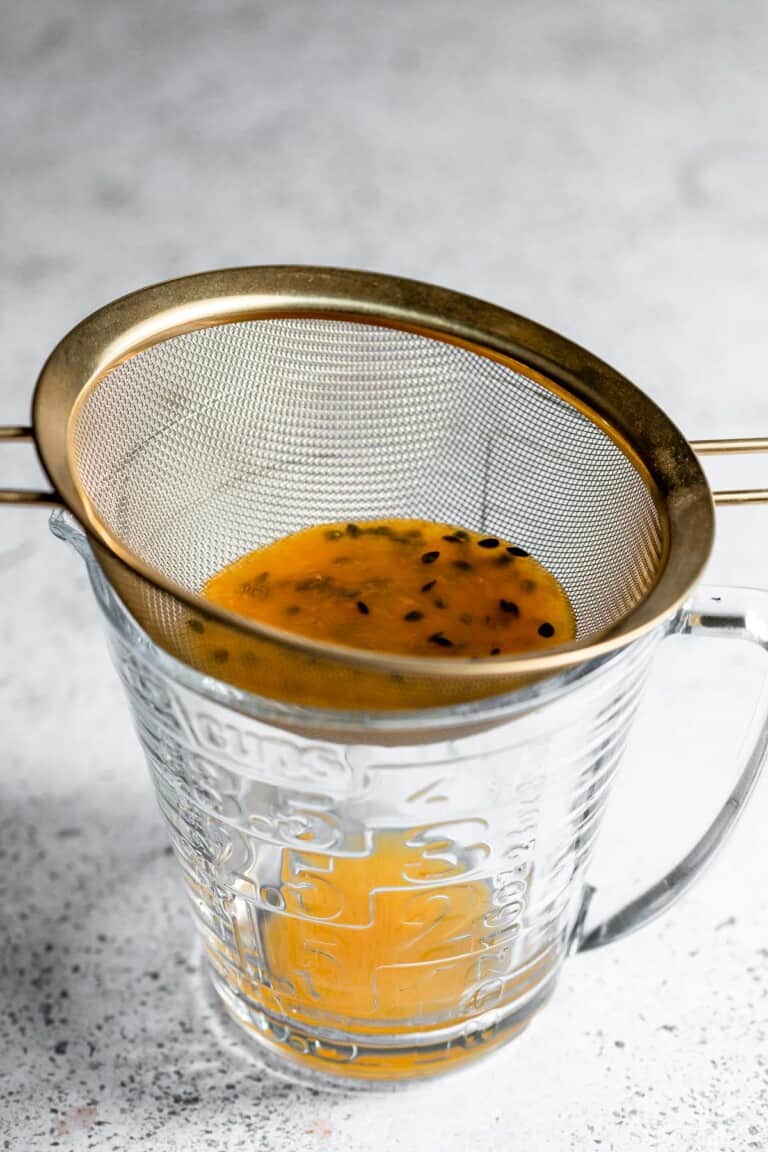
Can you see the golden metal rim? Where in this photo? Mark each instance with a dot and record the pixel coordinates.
(646, 435)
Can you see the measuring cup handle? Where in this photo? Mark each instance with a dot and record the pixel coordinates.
(730, 614)
(18, 434)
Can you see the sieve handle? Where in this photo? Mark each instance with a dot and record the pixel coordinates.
(730, 614)
(730, 448)
(18, 434)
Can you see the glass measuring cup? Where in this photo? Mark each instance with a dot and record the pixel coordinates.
(387, 896)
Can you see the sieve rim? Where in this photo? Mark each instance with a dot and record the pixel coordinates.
(655, 446)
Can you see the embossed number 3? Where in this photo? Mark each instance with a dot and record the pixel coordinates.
(450, 843)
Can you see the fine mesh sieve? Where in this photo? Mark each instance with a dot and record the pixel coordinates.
(194, 421)
(212, 443)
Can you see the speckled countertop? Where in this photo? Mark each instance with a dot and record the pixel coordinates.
(600, 166)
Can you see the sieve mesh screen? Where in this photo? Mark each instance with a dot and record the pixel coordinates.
(211, 443)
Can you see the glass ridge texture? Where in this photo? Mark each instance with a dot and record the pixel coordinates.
(494, 807)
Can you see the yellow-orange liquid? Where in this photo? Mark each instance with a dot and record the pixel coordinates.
(389, 934)
(400, 586)
(395, 935)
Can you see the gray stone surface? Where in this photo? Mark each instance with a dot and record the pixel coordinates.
(601, 167)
